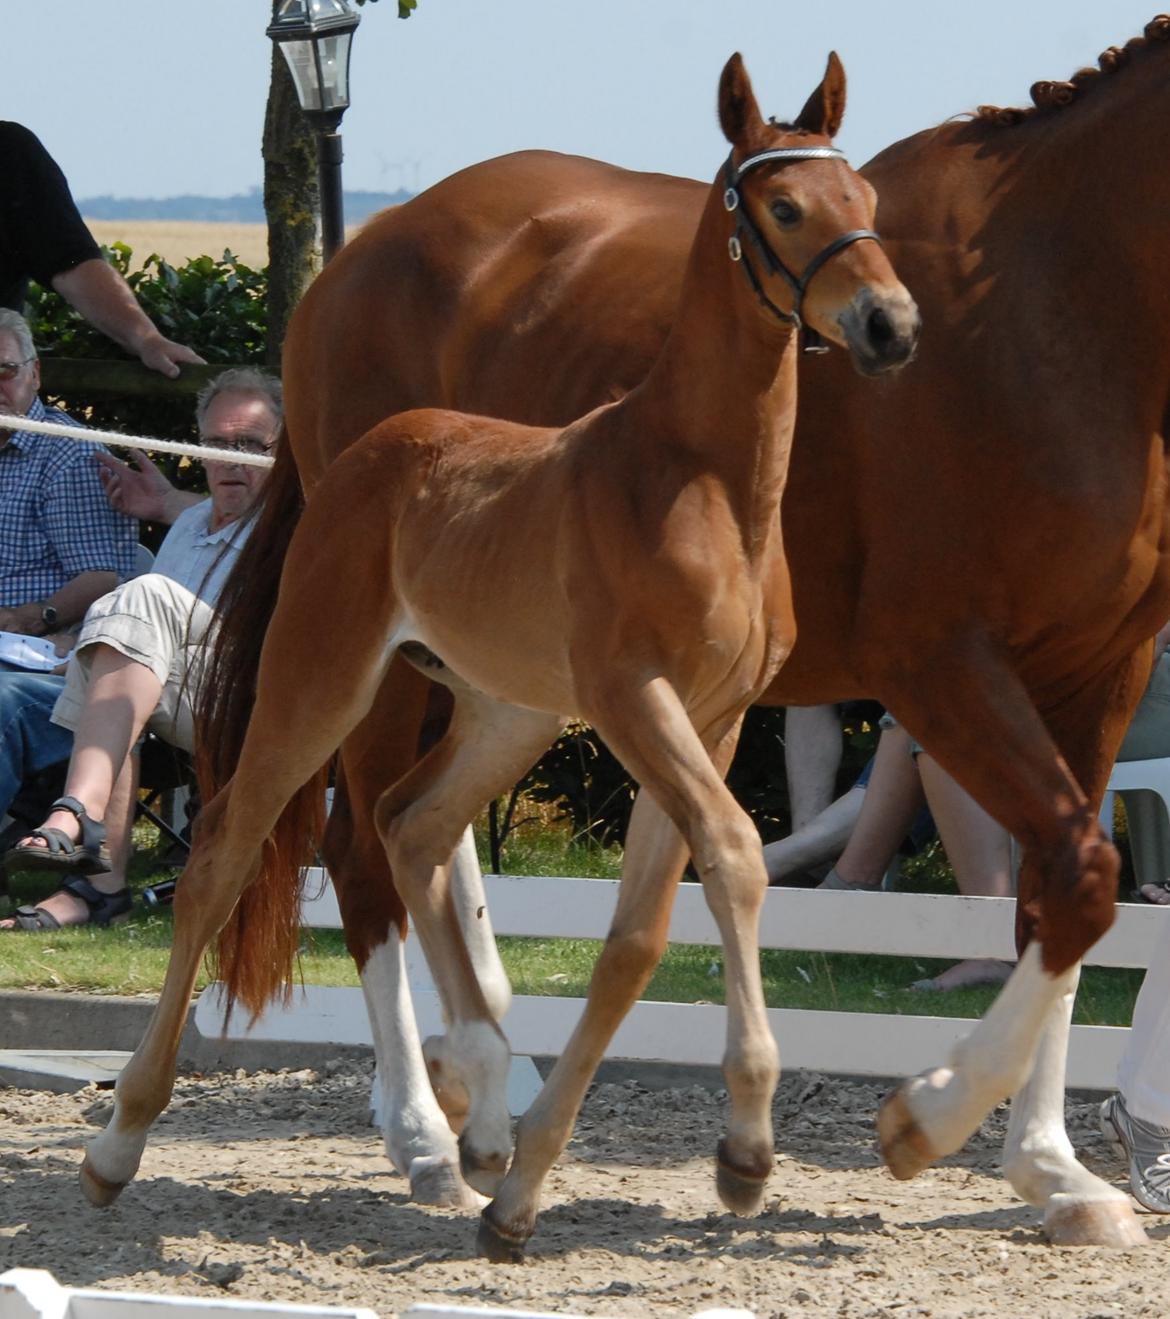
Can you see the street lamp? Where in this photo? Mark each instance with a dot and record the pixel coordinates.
(315, 37)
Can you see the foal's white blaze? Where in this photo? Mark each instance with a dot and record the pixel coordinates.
(992, 1062)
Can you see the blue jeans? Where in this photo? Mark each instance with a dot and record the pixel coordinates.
(29, 742)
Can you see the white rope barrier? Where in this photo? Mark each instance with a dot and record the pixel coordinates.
(203, 453)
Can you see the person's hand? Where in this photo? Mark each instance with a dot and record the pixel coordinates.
(63, 643)
(25, 619)
(165, 356)
(136, 487)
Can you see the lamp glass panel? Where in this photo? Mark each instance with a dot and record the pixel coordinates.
(333, 53)
(303, 67)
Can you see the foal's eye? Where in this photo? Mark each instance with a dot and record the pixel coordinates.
(786, 213)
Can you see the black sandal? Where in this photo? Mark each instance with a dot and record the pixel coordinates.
(87, 856)
(104, 908)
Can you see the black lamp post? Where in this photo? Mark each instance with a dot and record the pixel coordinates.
(315, 37)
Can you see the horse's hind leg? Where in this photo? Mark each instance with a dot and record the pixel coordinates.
(309, 697)
(417, 1130)
(423, 821)
(219, 868)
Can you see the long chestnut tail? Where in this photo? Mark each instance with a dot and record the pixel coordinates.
(255, 950)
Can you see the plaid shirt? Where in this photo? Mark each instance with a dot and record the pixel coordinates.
(55, 519)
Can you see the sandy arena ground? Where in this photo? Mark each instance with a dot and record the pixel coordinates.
(274, 1187)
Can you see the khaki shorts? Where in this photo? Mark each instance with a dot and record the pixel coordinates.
(160, 625)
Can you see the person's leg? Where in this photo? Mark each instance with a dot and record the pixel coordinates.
(812, 756)
(979, 850)
(1137, 1119)
(121, 696)
(892, 799)
(821, 840)
(29, 741)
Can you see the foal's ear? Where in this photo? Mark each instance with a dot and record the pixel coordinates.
(739, 115)
(825, 108)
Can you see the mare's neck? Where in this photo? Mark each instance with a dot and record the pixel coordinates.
(722, 392)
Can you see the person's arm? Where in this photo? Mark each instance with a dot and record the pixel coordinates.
(138, 489)
(104, 298)
(70, 602)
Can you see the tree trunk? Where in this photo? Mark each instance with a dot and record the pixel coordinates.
(292, 203)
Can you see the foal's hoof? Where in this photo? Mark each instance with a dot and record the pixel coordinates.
(1111, 1223)
(740, 1189)
(442, 1185)
(496, 1245)
(903, 1143)
(94, 1186)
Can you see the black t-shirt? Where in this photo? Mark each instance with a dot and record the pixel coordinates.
(41, 231)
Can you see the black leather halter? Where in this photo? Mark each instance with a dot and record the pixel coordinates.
(745, 224)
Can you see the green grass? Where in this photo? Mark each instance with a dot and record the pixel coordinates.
(131, 958)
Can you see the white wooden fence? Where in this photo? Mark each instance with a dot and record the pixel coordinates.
(874, 1044)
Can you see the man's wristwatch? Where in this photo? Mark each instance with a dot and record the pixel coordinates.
(49, 617)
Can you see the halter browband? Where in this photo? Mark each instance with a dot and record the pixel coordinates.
(744, 223)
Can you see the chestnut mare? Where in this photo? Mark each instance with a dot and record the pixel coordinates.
(628, 568)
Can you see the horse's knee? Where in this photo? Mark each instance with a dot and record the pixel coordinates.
(628, 958)
(1072, 916)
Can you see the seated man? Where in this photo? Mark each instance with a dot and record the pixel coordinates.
(64, 546)
(137, 661)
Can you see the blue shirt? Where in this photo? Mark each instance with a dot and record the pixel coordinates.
(198, 558)
(55, 519)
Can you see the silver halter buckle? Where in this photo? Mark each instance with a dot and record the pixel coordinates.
(730, 199)
(734, 251)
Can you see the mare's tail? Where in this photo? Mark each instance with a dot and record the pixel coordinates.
(255, 950)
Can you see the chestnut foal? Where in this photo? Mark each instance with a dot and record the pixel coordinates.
(628, 569)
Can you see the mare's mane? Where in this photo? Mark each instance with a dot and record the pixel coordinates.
(1048, 97)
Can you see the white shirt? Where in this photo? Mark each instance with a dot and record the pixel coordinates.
(198, 558)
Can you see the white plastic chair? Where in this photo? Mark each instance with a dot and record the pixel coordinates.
(1144, 786)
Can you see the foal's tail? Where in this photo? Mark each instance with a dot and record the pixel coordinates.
(256, 948)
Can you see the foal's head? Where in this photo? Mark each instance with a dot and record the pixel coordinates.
(802, 222)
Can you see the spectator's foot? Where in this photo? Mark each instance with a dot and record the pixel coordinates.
(966, 975)
(1145, 1148)
(834, 881)
(1158, 895)
(68, 841)
(76, 902)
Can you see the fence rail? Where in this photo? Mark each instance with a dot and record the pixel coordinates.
(874, 1044)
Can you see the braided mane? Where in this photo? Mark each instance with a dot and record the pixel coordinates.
(1050, 96)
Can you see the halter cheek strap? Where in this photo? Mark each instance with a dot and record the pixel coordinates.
(745, 225)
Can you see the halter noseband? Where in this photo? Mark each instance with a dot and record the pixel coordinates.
(745, 224)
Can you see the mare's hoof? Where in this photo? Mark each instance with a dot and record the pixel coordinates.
(442, 1185)
(903, 1143)
(740, 1189)
(95, 1188)
(496, 1245)
(1112, 1223)
(483, 1172)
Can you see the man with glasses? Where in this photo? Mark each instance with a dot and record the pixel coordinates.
(137, 660)
(61, 543)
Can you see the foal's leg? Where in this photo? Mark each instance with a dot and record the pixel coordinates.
(651, 733)
(994, 743)
(423, 821)
(305, 706)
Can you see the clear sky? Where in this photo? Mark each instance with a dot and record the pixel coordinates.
(152, 98)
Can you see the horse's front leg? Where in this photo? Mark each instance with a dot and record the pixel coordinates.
(992, 740)
(650, 732)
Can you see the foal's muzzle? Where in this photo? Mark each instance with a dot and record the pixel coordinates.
(881, 330)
